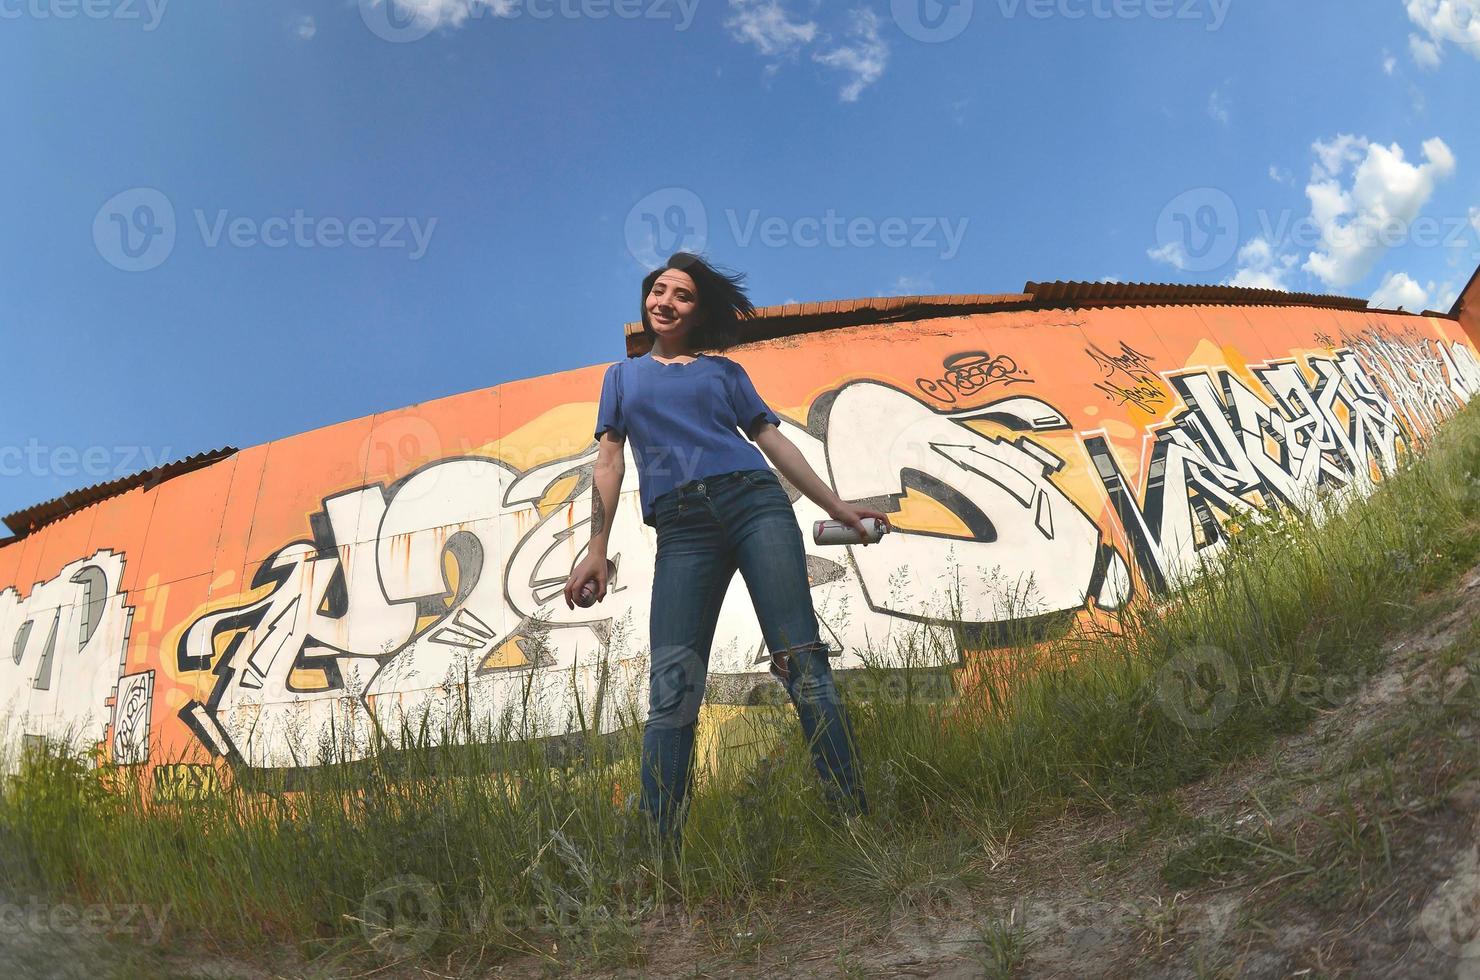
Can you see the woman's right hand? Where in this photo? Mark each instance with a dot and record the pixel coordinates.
(595, 569)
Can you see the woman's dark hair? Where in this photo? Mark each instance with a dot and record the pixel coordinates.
(722, 301)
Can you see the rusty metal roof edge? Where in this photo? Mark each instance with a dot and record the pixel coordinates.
(32, 519)
(1090, 294)
(797, 318)
(867, 305)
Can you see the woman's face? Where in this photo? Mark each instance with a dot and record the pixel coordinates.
(673, 305)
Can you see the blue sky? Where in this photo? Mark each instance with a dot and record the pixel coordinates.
(227, 222)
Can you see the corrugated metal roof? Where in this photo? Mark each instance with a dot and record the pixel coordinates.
(797, 318)
(24, 522)
(1086, 294)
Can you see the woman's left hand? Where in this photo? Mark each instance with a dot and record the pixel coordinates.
(853, 517)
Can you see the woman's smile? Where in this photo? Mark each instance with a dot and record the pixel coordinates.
(672, 304)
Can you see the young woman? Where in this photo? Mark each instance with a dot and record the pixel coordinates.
(716, 507)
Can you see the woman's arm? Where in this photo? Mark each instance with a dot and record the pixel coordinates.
(787, 458)
(606, 487)
(607, 477)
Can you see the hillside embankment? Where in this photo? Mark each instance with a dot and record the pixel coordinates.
(1273, 772)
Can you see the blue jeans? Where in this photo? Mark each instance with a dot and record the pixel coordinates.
(706, 529)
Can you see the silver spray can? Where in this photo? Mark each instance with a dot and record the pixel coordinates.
(836, 532)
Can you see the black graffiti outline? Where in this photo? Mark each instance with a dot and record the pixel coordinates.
(1143, 391)
(964, 374)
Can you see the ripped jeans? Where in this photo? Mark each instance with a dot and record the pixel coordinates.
(706, 529)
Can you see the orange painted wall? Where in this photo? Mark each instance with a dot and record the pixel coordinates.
(411, 562)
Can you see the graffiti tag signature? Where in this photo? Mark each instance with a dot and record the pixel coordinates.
(1128, 377)
(970, 371)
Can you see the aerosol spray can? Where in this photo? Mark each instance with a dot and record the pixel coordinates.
(836, 532)
(587, 595)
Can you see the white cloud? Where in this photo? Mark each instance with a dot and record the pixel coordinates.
(1357, 222)
(1454, 22)
(1332, 157)
(1218, 107)
(766, 25)
(305, 27)
(1261, 267)
(1426, 53)
(450, 13)
(1280, 176)
(1445, 297)
(1389, 63)
(863, 60)
(1399, 291)
(1172, 253)
(910, 286)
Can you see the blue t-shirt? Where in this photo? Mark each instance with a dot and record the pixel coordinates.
(684, 420)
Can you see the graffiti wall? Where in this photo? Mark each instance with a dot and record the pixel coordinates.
(403, 573)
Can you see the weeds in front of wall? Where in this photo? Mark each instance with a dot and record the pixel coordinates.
(472, 830)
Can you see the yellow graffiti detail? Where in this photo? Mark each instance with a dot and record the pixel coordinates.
(921, 512)
(508, 654)
(185, 782)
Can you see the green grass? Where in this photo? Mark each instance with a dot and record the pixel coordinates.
(508, 849)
